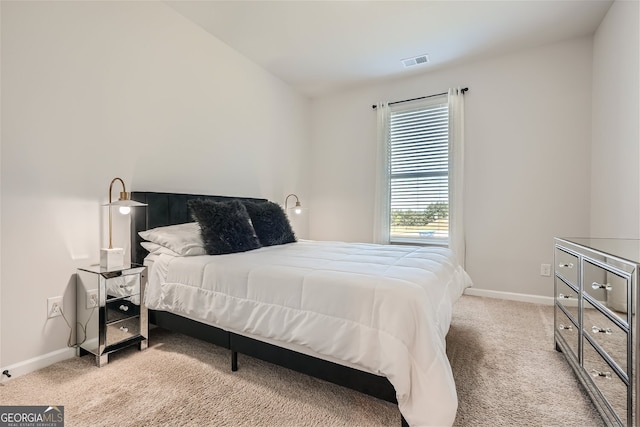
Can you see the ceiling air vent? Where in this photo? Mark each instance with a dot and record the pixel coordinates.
(417, 60)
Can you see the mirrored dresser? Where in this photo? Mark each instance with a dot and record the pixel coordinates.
(110, 310)
(595, 324)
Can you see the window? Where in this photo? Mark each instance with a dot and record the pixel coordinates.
(419, 171)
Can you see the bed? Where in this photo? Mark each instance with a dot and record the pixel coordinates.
(369, 317)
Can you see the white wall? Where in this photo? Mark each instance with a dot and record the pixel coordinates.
(615, 156)
(527, 168)
(95, 90)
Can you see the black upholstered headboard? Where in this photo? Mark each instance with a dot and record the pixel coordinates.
(163, 209)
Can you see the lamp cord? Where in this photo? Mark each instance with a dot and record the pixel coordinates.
(82, 327)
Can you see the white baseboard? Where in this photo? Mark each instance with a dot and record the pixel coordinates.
(512, 296)
(31, 365)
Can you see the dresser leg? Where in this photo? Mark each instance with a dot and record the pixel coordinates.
(234, 361)
(142, 345)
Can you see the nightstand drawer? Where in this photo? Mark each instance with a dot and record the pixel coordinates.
(123, 286)
(120, 331)
(567, 266)
(119, 309)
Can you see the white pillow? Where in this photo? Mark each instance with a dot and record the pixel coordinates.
(183, 239)
(156, 249)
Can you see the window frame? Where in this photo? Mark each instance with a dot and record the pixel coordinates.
(438, 102)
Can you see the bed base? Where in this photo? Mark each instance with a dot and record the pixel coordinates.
(169, 208)
(373, 385)
(364, 382)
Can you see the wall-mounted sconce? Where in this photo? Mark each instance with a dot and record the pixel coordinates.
(297, 209)
(114, 257)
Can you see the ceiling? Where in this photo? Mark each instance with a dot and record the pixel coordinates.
(323, 46)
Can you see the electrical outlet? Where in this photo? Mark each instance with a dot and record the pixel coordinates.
(92, 298)
(545, 269)
(54, 307)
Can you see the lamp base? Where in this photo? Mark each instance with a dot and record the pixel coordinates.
(111, 258)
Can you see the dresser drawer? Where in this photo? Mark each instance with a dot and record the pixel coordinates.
(568, 330)
(568, 298)
(119, 309)
(606, 333)
(122, 286)
(606, 287)
(604, 377)
(120, 331)
(567, 266)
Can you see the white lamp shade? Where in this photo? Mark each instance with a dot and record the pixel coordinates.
(296, 210)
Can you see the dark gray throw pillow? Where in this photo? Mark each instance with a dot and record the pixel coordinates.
(271, 223)
(225, 226)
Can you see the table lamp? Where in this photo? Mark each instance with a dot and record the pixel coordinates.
(114, 257)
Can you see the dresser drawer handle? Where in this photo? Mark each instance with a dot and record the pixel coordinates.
(567, 265)
(124, 307)
(124, 329)
(597, 285)
(565, 296)
(596, 330)
(606, 375)
(563, 326)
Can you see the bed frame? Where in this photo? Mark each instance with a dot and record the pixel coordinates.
(171, 208)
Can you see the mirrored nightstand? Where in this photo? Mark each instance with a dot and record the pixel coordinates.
(110, 310)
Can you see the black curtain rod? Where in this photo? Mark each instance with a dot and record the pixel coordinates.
(463, 90)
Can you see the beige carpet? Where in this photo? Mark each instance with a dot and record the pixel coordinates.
(506, 371)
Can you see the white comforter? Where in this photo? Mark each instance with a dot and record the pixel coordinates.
(383, 308)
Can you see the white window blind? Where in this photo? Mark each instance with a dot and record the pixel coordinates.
(418, 171)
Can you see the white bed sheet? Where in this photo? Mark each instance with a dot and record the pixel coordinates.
(383, 308)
